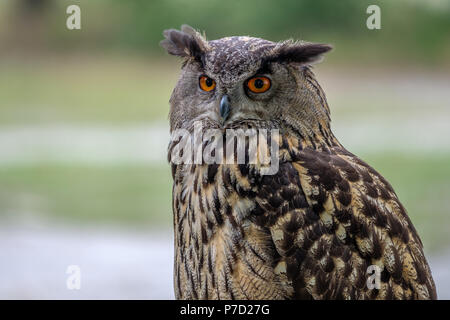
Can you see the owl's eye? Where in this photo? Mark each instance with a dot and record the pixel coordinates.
(258, 84)
(206, 83)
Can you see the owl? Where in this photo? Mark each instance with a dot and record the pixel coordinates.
(323, 225)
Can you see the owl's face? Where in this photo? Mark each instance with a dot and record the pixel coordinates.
(238, 79)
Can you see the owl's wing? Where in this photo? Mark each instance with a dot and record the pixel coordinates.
(331, 216)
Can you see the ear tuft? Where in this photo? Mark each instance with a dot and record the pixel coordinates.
(186, 43)
(303, 52)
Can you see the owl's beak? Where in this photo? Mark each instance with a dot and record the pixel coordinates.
(224, 107)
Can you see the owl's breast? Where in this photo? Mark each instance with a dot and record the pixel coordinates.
(220, 253)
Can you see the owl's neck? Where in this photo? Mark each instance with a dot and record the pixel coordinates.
(319, 137)
(310, 123)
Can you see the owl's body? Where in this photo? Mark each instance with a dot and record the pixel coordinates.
(315, 228)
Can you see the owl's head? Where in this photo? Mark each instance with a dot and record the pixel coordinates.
(236, 80)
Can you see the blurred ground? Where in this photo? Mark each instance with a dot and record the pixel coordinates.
(114, 263)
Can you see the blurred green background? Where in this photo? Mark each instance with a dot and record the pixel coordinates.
(78, 108)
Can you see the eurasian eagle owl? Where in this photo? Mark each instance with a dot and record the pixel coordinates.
(316, 228)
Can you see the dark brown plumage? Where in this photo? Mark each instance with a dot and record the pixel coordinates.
(311, 230)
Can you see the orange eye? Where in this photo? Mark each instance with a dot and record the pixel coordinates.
(258, 84)
(206, 83)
